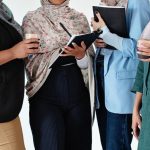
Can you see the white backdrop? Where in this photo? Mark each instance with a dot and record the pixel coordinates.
(20, 8)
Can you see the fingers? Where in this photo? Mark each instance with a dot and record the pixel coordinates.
(76, 47)
(64, 55)
(145, 60)
(83, 45)
(99, 41)
(136, 131)
(32, 51)
(32, 46)
(142, 50)
(32, 40)
(98, 16)
(100, 45)
(144, 43)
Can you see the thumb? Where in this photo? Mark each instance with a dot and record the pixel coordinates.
(83, 45)
(98, 16)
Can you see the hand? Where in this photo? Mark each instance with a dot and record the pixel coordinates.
(99, 43)
(144, 49)
(24, 48)
(99, 24)
(136, 124)
(77, 51)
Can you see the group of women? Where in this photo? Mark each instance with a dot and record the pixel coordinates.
(61, 79)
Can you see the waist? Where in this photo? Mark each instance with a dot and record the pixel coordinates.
(64, 65)
(64, 61)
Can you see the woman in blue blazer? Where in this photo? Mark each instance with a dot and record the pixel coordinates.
(120, 68)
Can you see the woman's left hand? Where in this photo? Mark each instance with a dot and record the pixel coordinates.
(78, 51)
(99, 24)
(144, 49)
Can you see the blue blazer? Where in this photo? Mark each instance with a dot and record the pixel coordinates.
(120, 65)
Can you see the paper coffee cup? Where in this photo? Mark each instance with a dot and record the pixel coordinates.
(29, 36)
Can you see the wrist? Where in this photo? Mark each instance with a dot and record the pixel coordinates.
(80, 56)
(12, 53)
(136, 110)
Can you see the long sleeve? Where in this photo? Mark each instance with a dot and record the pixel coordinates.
(138, 84)
(126, 45)
(136, 21)
(83, 63)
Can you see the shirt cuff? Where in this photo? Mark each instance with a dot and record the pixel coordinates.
(83, 63)
(105, 31)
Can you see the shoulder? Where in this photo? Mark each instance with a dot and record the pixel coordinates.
(139, 4)
(33, 15)
(78, 15)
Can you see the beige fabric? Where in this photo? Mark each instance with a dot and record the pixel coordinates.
(122, 3)
(45, 22)
(11, 137)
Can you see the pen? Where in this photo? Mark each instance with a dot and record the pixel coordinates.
(65, 29)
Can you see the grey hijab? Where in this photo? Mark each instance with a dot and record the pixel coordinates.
(7, 16)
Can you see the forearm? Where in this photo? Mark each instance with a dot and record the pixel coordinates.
(6, 56)
(138, 102)
(126, 45)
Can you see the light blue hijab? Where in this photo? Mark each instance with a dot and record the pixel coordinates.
(136, 26)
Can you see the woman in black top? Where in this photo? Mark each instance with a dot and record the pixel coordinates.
(12, 48)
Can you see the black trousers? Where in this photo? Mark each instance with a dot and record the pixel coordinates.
(62, 123)
(102, 111)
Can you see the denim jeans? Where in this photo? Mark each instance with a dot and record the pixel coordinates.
(119, 130)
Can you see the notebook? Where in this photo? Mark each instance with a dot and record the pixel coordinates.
(88, 39)
(114, 18)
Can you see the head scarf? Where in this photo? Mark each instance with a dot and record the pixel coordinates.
(45, 21)
(53, 12)
(7, 16)
(122, 3)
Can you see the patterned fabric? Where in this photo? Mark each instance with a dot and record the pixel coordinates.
(45, 22)
(122, 3)
(7, 16)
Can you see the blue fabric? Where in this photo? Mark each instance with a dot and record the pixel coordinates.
(120, 65)
(119, 130)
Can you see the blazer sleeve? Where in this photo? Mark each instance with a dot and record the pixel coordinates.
(136, 21)
(139, 80)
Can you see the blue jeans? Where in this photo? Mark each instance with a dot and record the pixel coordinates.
(119, 130)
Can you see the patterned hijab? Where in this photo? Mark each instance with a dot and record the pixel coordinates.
(7, 16)
(45, 21)
(122, 3)
(52, 11)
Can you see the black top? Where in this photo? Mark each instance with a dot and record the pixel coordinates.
(63, 61)
(11, 76)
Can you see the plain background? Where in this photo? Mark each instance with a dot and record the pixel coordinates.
(20, 8)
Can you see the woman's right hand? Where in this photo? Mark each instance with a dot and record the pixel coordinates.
(24, 48)
(136, 123)
(99, 43)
